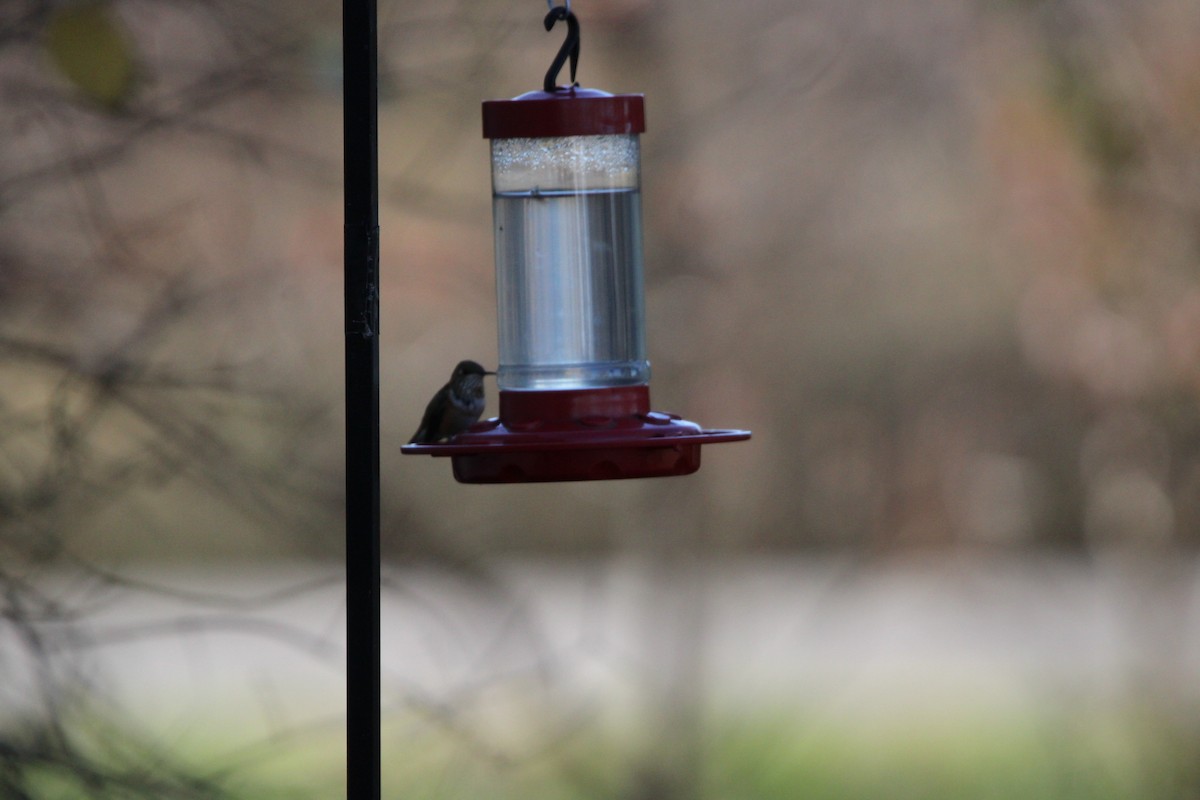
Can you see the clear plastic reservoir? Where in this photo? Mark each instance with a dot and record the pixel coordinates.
(568, 234)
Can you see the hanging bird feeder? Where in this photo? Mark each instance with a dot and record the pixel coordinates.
(573, 374)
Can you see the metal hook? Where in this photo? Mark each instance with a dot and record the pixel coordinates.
(566, 4)
(570, 46)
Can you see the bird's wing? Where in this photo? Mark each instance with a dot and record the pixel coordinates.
(431, 422)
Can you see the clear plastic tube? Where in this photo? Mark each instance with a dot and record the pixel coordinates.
(569, 284)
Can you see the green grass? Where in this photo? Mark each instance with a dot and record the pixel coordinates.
(1063, 759)
(762, 756)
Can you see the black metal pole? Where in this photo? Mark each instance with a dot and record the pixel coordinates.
(359, 109)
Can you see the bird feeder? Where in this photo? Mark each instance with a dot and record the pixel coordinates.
(573, 372)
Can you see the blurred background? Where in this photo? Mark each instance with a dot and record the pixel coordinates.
(942, 257)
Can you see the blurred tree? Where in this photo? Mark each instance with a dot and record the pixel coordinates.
(109, 402)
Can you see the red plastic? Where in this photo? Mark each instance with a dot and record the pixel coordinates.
(565, 112)
(576, 435)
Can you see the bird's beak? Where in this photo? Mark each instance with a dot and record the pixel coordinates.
(488, 373)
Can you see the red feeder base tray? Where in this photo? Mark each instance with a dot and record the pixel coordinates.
(576, 435)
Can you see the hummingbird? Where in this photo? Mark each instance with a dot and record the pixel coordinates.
(456, 406)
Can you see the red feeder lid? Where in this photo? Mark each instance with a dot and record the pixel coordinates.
(567, 111)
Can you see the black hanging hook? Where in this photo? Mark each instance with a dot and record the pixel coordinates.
(570, 46)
